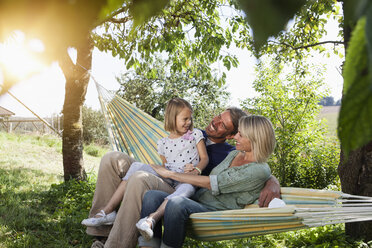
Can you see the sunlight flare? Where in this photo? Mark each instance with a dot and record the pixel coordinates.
(19, 57)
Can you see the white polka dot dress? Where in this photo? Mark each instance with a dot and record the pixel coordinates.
(180, 151)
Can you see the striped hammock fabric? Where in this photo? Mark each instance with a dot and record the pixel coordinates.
(135, 133)
(131, 130)
(305, 208)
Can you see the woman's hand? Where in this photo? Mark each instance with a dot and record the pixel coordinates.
(193, 172)
(161, 170)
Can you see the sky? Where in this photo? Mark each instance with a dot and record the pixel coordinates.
(44, 93)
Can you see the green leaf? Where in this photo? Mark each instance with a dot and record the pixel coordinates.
(268, 17)
(110, 7)
(369, 37)
(130, 63)
(227, 63)
(356, 111)
(356, 56)
(142, 10)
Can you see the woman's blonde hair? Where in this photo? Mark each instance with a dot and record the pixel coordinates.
(260, 132)
(174, 107)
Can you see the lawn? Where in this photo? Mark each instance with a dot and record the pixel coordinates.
(38, 209)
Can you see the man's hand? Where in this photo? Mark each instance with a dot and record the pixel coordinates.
(188, 168)
(269, 192)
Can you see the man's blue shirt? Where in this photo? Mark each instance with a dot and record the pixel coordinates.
(216, 153)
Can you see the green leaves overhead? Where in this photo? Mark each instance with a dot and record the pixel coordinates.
(351, 10)
(354, 128)
(59, 24)
(142, 10)
(269, 17)
(369, 38)
(110, 7)
(186, 33)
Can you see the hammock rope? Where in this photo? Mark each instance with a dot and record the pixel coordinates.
(135, 133)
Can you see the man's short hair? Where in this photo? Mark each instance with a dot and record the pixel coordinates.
(236, 114)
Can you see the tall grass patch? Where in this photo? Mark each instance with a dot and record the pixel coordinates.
(95, 150)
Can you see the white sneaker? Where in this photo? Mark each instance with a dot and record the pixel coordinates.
(144, 228)
(105, 219)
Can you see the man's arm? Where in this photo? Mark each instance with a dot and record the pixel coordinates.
(269, 192)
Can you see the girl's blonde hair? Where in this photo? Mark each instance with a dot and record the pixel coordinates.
(174, 107)
(260, 132)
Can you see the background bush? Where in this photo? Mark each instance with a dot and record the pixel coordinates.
(289, 95)
(94, 127)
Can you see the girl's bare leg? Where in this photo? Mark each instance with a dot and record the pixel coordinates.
(116, 198)
(158, 214)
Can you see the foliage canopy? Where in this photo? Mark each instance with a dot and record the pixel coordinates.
(152, 88)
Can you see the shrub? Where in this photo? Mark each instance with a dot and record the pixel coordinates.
(94, 127)
(304, 156)
(318, 167)
(94, 150)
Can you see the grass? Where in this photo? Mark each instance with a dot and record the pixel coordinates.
(327, 236)
(34, 212)
(37, 209)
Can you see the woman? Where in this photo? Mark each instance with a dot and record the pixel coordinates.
(234, 183)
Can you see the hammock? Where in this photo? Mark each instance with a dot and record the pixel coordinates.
(135, 133)
(305, 208)
(130, 130)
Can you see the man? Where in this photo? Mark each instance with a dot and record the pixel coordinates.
(114, 166)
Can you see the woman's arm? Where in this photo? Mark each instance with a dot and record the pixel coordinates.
(199, 181)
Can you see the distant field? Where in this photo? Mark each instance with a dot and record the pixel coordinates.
(330, 113)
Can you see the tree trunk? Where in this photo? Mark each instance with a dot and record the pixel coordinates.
(356, 178)
(77, 79)
(355, 171)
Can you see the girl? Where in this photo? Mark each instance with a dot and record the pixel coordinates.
(183, 150)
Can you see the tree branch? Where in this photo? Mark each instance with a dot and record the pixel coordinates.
(111, 17)
(311, 45)
(119, 20)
